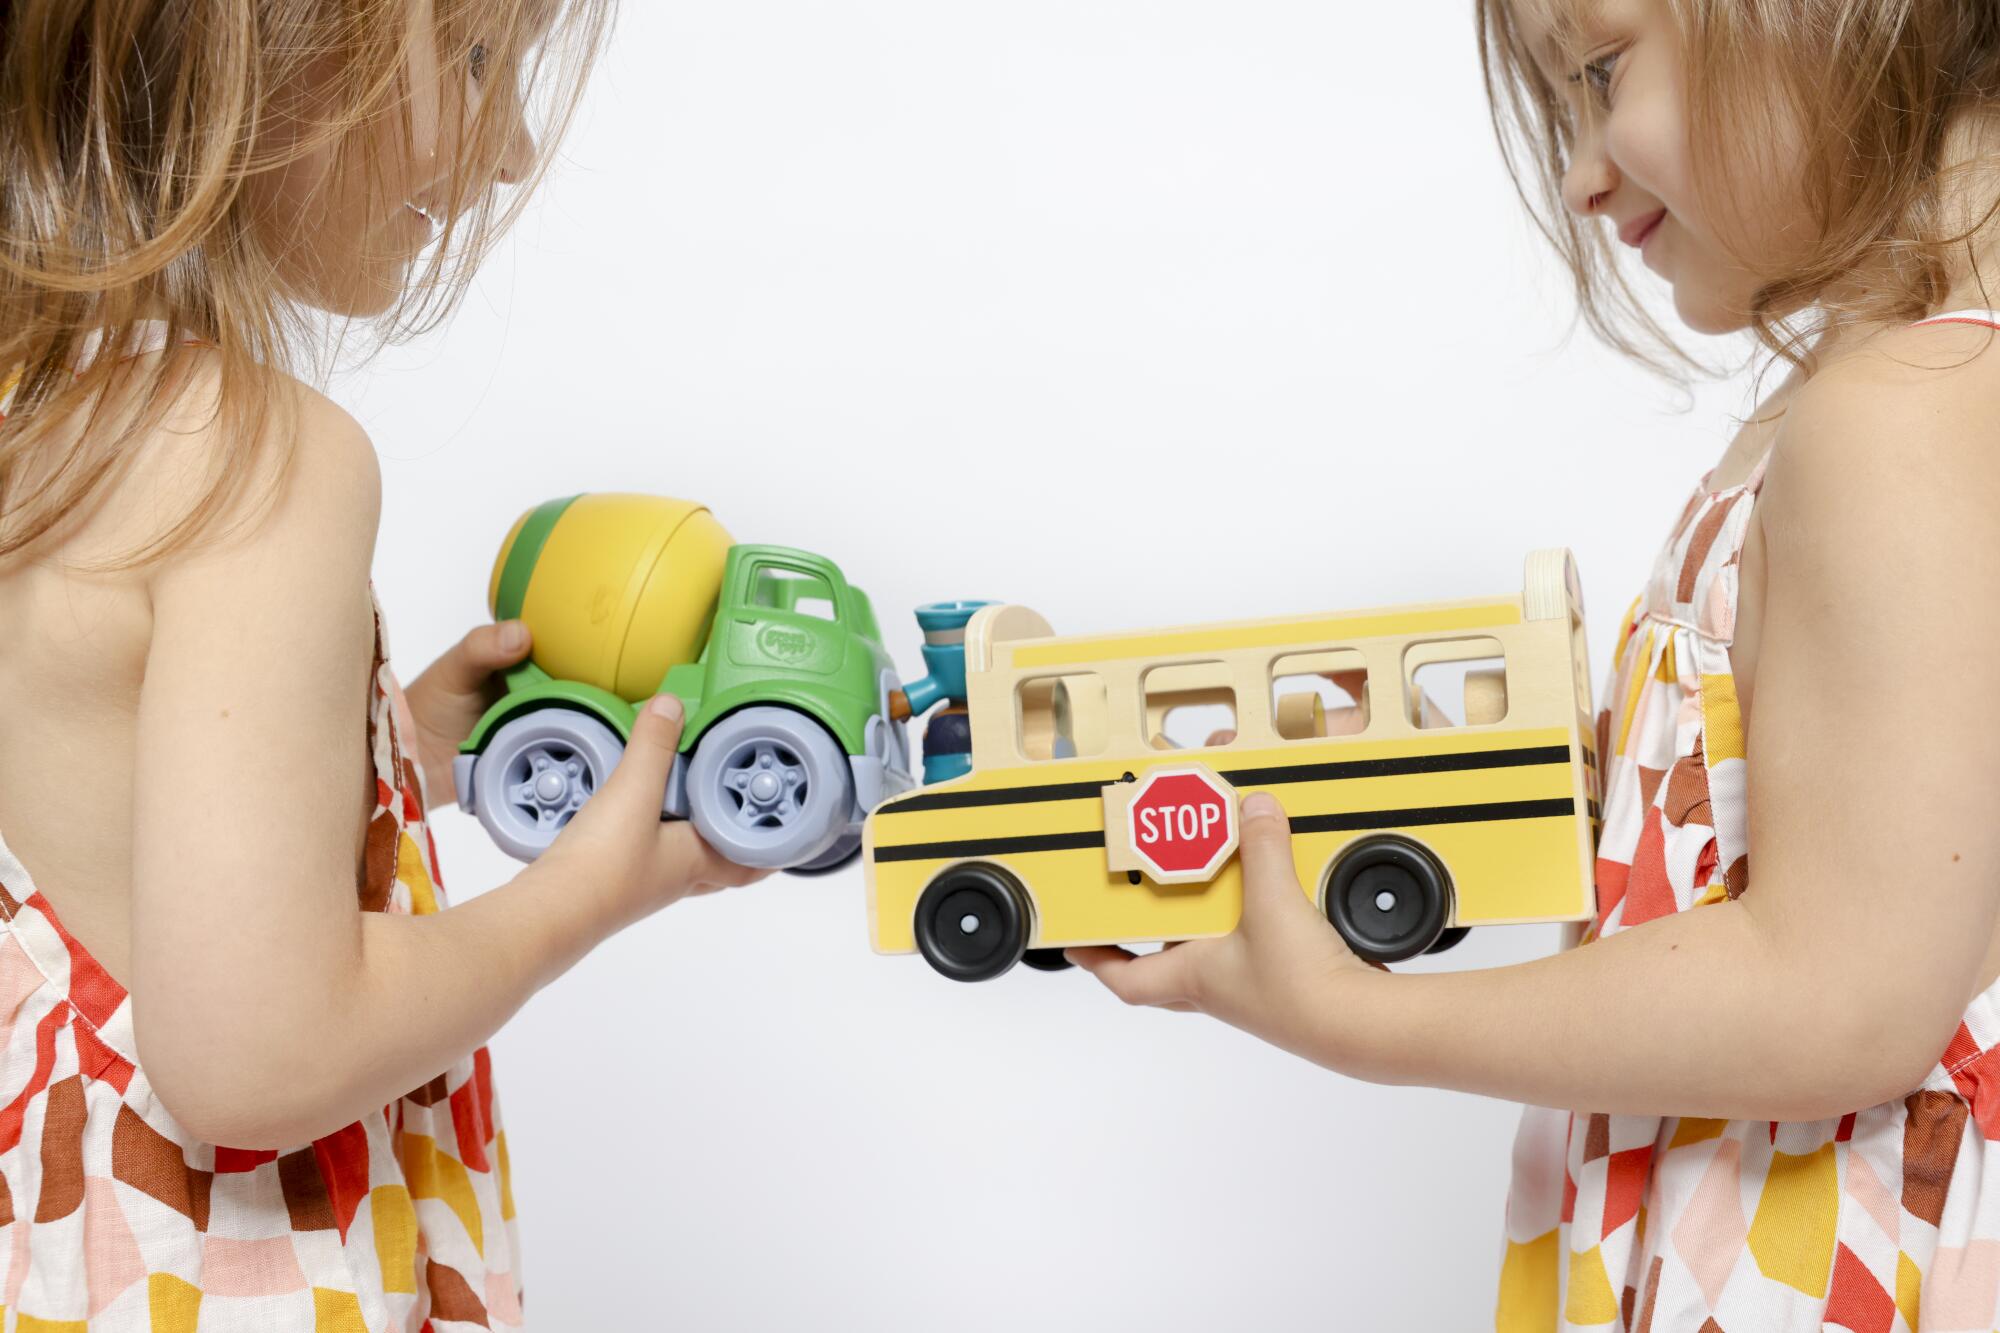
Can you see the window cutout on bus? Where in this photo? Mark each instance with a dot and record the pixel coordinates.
(1062, 717)
(1188, 705)
(1455, 683)
(778, 589)
(1319, 694)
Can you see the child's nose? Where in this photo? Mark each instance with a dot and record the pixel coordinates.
(1589, 181)
(519, 158)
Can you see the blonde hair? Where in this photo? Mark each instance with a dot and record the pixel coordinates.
(127, 133)
(1875, 88)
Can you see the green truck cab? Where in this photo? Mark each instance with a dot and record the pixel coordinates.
(789, 739)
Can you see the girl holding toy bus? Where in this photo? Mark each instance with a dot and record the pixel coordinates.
(1762, 1090)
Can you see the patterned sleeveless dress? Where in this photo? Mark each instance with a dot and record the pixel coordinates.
(113, 1218)
(1885, 1220)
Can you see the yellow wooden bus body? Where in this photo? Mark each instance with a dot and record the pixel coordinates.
(1506, 807)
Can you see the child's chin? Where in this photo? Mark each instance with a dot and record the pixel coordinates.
(1703, 313)
(365, 300)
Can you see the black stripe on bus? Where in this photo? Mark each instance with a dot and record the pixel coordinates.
(1406, 764)
(1360, 819)
(1041, 842)
(953, 800)
(1249, 777)
(1442, 814)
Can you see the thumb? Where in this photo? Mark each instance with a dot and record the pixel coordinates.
(1269, 874)
(498, 645)
(466, 665)
(641, 775)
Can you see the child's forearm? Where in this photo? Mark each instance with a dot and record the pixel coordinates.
(1693, 1015)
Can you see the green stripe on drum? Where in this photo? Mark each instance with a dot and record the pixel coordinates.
(527, 549)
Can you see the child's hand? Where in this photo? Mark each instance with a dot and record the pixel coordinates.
(1274, 976)
(453, 693)
(618, 846)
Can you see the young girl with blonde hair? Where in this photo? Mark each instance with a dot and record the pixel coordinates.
(1775, 1062)
(241, 1076)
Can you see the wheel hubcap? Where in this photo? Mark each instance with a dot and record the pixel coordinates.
(1391, 906)
(767, 783)
(548, 783)
(974, 933)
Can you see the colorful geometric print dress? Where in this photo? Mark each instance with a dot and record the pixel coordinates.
(1886, 1220)
(112, 1218)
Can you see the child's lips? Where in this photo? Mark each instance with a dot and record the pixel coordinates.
(1635, 232)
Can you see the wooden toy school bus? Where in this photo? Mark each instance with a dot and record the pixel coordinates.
(1435, 762)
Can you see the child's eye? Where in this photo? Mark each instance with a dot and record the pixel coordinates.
(1596, 75)
(476, 62)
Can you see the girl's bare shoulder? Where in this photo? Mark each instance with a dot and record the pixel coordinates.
(81, 660)
(85, 619)
(1902, 422)
(1897, 368)
(307, 454)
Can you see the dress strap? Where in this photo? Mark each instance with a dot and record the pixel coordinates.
(1989, 318)
(1755, 481)
(143, 337)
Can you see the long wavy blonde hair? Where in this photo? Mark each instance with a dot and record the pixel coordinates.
(1875, 90)
(128, 129)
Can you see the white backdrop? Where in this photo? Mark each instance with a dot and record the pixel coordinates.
(987, 301)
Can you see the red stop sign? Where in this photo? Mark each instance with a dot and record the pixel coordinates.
(1182, 824)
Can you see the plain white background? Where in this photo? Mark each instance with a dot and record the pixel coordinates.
(1139, 313)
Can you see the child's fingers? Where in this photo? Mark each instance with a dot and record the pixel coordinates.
(492, 646)
(703, 868)
(1082, 954)
(1155, 979)
(466, 665)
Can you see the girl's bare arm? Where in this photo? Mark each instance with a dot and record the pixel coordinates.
(1837, 980)
(269, 1009)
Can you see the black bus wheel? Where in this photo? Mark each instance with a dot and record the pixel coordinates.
(972, 922)
(1388, 898)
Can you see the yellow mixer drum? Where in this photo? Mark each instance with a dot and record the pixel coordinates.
(615, 588)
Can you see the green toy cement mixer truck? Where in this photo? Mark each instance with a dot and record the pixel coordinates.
(790, 738)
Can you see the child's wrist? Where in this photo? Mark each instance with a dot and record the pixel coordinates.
(574, 911)
(1355, 1024)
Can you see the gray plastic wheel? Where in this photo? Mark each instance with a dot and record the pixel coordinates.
(769, 788)
(536, 773)
(845, 848)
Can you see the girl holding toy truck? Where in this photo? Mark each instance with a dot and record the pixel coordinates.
(238, 879)
(1773, 1103)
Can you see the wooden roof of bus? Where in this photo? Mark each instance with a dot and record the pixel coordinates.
(1014, 626)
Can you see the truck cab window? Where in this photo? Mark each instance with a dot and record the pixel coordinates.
(776, 588)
